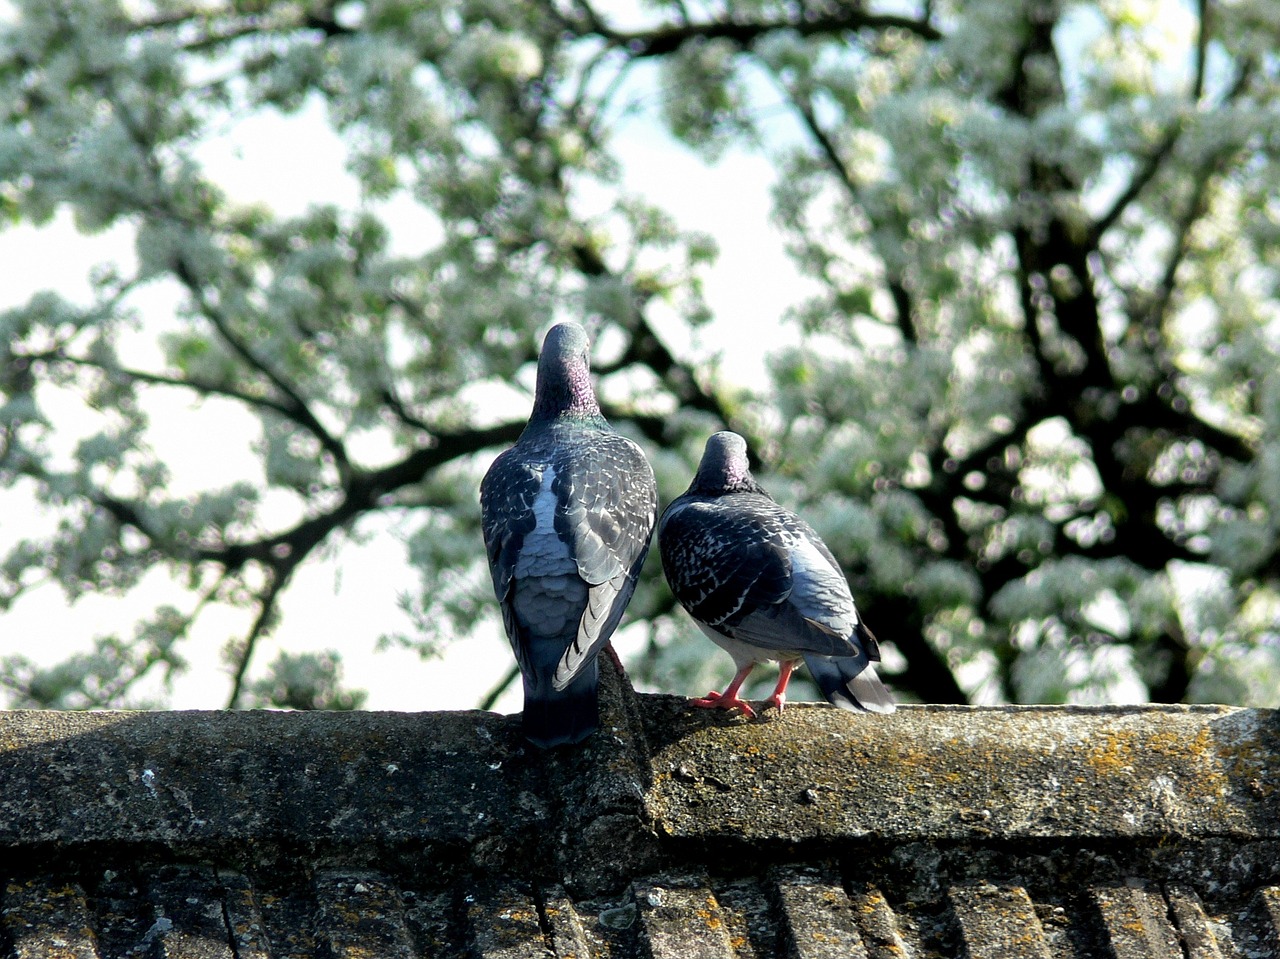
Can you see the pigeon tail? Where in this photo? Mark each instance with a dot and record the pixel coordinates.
(561, 717)
(850, 682)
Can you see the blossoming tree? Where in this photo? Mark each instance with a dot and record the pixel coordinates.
(1034, 405)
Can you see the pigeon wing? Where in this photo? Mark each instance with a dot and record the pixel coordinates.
(723, 560)
(741, 565)
(507, 494)
(607, 502)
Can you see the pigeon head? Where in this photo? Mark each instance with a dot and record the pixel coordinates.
(725, 467)
(564, 374)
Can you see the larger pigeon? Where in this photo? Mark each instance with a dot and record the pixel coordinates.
(764, 587)
(567, 514)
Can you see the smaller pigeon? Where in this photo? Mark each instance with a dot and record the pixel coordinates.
(567, 515)
(764, 587)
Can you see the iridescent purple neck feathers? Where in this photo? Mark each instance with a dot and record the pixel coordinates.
(564, 375)
(725, 468)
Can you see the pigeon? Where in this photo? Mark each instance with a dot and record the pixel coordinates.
(567, 515)
(763, 586)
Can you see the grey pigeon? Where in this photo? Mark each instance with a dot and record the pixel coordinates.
(567, 515)
(764, 587)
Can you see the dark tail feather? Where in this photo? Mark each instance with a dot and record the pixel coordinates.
(561, 718)
(851, 683)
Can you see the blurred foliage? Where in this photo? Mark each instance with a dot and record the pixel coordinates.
(304, 681)
(1035, 405)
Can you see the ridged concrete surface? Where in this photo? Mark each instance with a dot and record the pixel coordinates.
(196, 912)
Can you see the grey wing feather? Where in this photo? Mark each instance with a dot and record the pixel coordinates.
(820, 594)
(507, 493)
(785, 628)
(607, 502)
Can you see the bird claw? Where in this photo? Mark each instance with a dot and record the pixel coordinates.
(714, 700)
(776, 702)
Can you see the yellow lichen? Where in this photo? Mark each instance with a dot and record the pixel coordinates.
(710, 918)
(1113, 755)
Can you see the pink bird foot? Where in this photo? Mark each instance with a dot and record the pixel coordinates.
(714, 700)
(779, 698)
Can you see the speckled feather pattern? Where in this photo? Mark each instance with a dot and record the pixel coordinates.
(760, 582)
(730, 557)
(567, 516)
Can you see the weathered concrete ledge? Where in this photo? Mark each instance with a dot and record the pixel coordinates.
(464, 778)
(948, 772)
(675, 833)
(195, 777)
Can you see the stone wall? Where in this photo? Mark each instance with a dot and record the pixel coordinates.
(937, 831)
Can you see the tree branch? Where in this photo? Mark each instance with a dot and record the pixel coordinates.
(897, 288)
(1154, 315)
(825, 144)
(194, 384)
(500, 687)
(1154, 412)
(364, 490)
(1155, 160)
(283, 553)
(300, 412)
(1202, 47)
(838, 18)
(647, 349)
(237, 27)
(138, 135)
(278, 577)
(1145, 173)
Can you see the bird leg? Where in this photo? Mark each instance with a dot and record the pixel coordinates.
(779, 697)
(729, 698)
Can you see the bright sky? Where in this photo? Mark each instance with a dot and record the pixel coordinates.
(347, 601)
